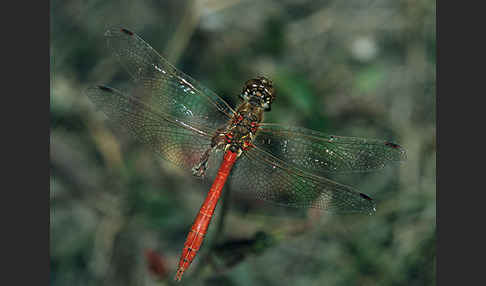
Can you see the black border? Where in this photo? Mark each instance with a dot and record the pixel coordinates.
(25, 113)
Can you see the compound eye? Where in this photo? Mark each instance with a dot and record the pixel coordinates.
(266, 106)
(244, 96)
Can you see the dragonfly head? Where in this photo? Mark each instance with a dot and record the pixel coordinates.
(259, 91)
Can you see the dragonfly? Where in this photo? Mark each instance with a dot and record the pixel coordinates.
(191, 126)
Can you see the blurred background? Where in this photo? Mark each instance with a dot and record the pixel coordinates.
(119, 215)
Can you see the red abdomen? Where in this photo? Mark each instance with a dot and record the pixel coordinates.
(199, 228)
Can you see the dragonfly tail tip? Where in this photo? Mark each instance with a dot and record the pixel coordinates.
(179, 273)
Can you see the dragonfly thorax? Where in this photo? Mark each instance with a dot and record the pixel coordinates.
(241, 130)
(259, 92)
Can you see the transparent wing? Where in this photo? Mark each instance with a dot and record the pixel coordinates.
(272, 179)
(175, 141)
(319, 153)
(164, 87)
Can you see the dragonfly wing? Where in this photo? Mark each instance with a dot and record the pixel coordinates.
(180, 143)
(165, 87)
(276, 181)
(319, 153)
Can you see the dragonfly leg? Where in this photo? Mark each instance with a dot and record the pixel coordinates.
(199, 170)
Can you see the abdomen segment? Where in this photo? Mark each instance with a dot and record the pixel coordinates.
(199, 228)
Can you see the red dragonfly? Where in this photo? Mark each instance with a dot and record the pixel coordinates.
(189, 125)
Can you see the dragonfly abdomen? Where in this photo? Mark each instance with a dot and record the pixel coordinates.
(199, 228)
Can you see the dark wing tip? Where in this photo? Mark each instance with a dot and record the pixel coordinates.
(105, 88)
(364, 196)
(114, 31)
(402, 153)
(372, 209)
(393, 145)
(126, 31)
